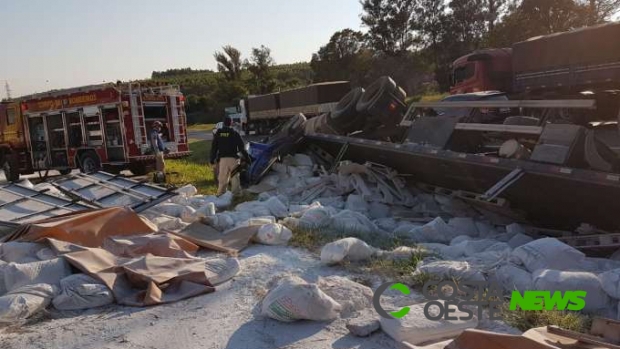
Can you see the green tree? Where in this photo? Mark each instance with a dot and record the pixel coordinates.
(389, 24)
(529, 18)
(340, 58)
(260, 63)
(229, 63)
(601, 10)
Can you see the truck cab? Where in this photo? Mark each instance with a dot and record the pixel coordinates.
(484, 70)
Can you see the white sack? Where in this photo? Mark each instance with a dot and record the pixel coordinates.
(519, 240)
(435, 231)
(351, 249)
(356, 203)
(513, 278)
(186, 213)
(276, 207)
(597, 300)
(610, 281)
(473, 247)
(548, 253)
(42, 272)
(20, 252)
(46, 254)
(187, 191)
(294, 299)
(206, 210)
(386, 224)
(351, 295)
(352, 223)
(220, 221)
(80, 291)
(273, 234)
(416, 329)
(312, 219)
(257, 221)
(449, 270)
(464, 226)
(377, 210)
(23, 302)
(3, 266)
(168, 223)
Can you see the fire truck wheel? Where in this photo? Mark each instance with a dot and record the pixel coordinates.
(11, 168)
(89, 163)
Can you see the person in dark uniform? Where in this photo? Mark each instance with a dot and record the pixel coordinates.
(226, 146)
(157, 146)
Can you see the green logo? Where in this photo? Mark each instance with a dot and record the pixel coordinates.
(539, 300)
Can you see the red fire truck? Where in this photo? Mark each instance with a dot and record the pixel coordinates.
(96, 127)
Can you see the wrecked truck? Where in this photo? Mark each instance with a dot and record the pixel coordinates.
(527, 157)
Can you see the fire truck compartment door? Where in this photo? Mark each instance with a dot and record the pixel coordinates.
(91, 111)
(107, 190)
(20, 204)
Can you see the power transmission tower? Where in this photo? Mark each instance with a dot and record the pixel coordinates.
(8, 90)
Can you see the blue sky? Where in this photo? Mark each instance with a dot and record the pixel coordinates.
(47, 44)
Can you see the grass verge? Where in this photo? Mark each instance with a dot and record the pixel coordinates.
(201, 127)
(525, 320)
(194, 169)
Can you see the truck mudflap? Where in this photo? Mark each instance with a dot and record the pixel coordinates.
(552, 196)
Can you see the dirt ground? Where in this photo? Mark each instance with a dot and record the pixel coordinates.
(228, 318)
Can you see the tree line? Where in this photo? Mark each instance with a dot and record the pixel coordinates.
(414, 41)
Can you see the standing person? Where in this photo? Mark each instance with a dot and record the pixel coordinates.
(157, 145)
(226, 146)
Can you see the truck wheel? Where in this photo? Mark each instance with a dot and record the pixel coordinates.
(89, 163)
(11, 168)
(65, 171)
(346, 108)
(384, 85)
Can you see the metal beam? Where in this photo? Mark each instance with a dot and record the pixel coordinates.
(534, 104)
(529, 130)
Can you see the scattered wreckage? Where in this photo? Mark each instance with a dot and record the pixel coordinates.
(370, 186)
(519, 155)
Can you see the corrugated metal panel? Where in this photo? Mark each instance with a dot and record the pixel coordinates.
(19, 204)
(108, 190)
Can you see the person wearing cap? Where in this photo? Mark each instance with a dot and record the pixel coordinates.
(157, 145)
(226, 146)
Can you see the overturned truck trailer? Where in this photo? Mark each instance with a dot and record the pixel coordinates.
(527, 156)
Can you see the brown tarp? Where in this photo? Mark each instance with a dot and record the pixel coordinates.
(85, 228)
(118, 247)
(476, 339)
(153, 278)
(230, 242)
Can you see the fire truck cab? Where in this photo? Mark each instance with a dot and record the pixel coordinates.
(93, 127)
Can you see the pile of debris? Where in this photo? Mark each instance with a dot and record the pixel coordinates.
(365, 203)
(370, 202)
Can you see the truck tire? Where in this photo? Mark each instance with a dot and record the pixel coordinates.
(89, 162)
(347, 106)
(11, 168)
(383, 102)
(65, 171)
(345, 118)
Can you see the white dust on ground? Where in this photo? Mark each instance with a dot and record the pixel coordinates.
(228, 318)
